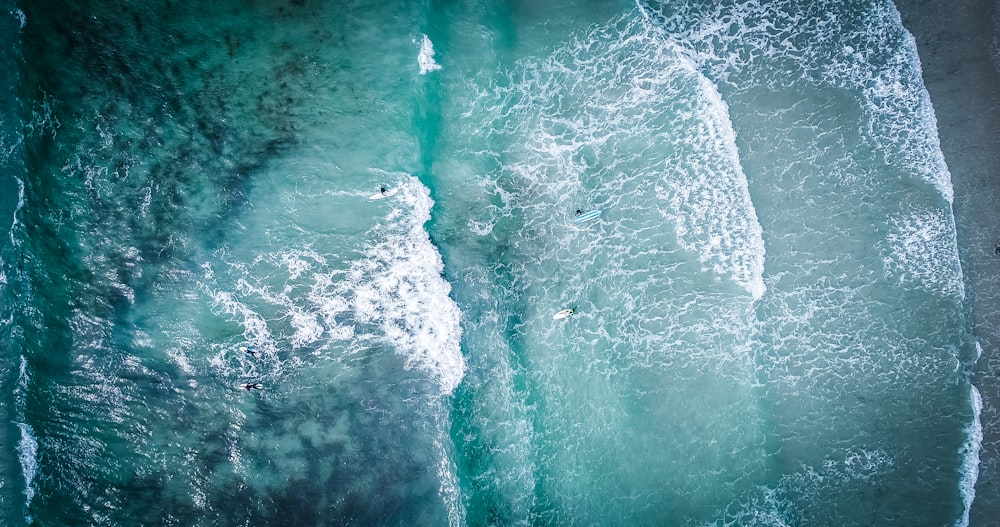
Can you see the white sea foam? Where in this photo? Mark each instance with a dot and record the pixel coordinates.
(393, 292)
(970, 456)
(21, 18)
(747, 44)
(27, 446)
(43, 118)
(426, 57)
(11, 234)
(27, 450)
(621, 107)
(762, 510)
(298, 264)
(255, 327)
(726, 218)
(922, 249)
(399, 287)
(449, 489)
(901, 114)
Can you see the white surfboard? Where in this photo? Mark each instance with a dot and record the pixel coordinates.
(382, 195)
(587, 216)
(565, 313)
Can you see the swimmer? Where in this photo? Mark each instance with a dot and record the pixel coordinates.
(250, 350)
(579, 212)
(252, 386)
(996, 250)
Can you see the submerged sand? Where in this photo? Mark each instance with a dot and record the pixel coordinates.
(957, 43)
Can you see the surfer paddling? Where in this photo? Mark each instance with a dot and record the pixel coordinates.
(383, 192)
(252, 386)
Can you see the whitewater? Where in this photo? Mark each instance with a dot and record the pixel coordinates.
(771, 322)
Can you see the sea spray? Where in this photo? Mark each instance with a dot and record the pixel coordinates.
(426, 57)
(27, 446)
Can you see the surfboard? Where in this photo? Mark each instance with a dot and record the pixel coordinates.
(379, 195)
(587, 216)
(565, 313)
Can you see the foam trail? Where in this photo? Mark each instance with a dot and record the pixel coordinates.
(601, 123)
(970, 457)
(737, 246)
(27, 449)
(449, 490)
(872, 55)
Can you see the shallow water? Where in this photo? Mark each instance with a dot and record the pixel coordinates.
(769, 325)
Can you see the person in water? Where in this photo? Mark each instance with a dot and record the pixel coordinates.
(252, 386)
(565, 313)
(579, 212)
(250, 350)
(382, 190)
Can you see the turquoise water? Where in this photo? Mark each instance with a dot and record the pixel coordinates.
(770, 322)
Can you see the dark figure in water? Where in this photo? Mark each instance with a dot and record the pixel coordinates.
(250, 350)
(996, 250)
(252, 386)
(382, 190)
(579, 212)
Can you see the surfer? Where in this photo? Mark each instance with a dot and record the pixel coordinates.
(250, 350)
(579, 212)
(565, 313)
(252, 386)
(382, 190)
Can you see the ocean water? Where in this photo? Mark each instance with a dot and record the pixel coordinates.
(770, 325)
